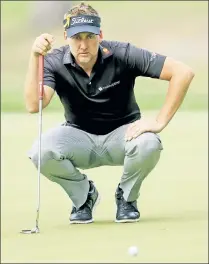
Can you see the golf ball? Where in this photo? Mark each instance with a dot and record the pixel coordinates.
(133, 251)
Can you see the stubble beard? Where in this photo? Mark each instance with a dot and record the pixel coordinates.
(87, 61)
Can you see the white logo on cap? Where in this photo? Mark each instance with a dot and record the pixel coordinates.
(77, 20)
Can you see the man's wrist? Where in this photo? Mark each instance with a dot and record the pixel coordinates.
(162, 123)
(34, 54)
(34, 58)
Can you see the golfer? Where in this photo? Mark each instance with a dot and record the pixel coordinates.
(94, 80)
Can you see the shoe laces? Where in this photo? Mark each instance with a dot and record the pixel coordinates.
(81, 209)
(127, 205)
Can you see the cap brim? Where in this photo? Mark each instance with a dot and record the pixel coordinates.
(79, 29)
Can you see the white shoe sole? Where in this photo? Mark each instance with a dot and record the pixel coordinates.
(127, 220)
(91, 220)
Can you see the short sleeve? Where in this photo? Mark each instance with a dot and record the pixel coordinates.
(142, 62)
(49, 77)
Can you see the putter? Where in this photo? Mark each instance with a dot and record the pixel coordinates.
(41, 90)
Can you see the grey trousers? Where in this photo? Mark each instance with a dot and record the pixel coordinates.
(66, 149)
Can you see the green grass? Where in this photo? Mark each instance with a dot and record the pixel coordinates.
(173, 202)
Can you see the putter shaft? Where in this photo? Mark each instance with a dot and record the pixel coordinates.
(41, 91)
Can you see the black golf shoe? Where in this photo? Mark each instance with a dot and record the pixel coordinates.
(83, 215)
(126, 211)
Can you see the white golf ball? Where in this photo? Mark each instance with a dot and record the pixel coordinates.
(133, 251)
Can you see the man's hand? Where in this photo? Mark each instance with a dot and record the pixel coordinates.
(42, 44)
(143, 125)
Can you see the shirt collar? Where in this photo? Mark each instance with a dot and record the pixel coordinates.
(68, 58)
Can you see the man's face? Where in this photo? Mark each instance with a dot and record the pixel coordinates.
(84, 46)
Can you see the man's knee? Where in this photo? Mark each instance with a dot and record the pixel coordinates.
(144, 145)
(47, 154)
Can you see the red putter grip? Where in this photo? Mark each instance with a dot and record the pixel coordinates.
(41, 76)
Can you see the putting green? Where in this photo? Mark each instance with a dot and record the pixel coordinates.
(173, 202)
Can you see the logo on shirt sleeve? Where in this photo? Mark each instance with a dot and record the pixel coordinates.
(153, 56)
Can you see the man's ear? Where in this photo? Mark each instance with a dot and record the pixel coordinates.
(65, 35)
(100, 36)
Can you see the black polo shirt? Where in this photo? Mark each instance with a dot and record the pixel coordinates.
(104, 101)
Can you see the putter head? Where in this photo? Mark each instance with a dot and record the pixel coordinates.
(30, 231)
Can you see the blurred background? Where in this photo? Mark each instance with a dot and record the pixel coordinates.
(176, 28)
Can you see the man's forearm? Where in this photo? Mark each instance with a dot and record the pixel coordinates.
(178, 86)
(31, 84)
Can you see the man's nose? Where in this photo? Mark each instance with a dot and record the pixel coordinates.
(83, 44)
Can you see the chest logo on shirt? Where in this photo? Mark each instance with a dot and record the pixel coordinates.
(108, 86)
